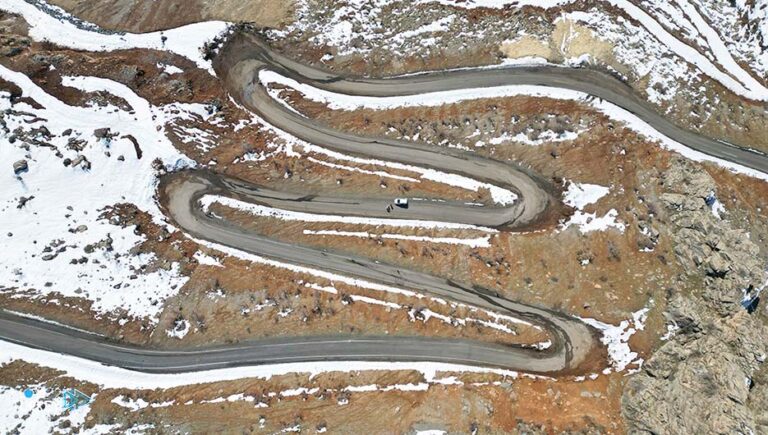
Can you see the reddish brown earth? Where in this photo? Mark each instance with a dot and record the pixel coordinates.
(140, 16)
(542, 266)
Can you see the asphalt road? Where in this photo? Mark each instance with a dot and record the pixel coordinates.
(572, 340)
(46, 336)
(251, 53)
(239, 63)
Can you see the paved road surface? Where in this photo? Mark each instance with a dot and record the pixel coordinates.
(46, 336)
(239, 63)
(248, 53)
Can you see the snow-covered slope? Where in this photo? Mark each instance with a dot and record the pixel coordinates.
(186, 41)
(55, 241)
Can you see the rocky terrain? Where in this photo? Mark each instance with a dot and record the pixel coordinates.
(716, 349)
(661, 251)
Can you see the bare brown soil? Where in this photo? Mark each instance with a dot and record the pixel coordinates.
(242, 300)
(530, 265)
(605, 274)
(489, 403)
(141, 16)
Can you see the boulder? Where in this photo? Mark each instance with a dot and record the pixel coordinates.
(20, 166)
(82, 162)
(717, 266)
(102, 133)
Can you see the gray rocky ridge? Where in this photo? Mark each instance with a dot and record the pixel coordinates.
(709, 377)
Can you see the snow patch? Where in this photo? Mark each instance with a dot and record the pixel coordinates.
(206, 260)
(180, 329)
(47, 238)
(170, 69)
(616, 338)
(138, 404)
(186, 41)
(41, 413)
(579, 195)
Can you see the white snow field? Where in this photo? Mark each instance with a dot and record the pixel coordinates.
(42, 413)
(185, 41)
(67, 201)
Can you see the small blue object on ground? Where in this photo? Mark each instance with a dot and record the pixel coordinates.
(28, 393)
(73, 399)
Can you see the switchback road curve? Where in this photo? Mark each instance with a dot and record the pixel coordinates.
(572, 341)
(246, 53)
(238, 64)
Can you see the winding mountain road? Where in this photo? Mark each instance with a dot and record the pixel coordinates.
(247, 53)
(238, 64)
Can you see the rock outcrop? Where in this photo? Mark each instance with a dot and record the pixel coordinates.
(702, 380)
